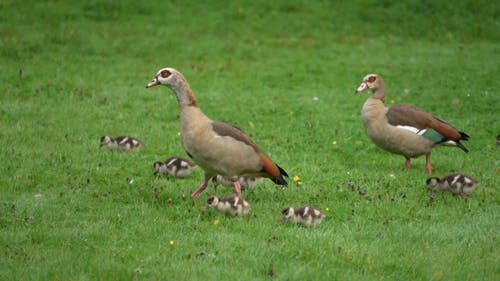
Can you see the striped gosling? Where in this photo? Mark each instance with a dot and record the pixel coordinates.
(175, 166)
(458, 184)
(233, 205)
(121, 142)
(305, 215)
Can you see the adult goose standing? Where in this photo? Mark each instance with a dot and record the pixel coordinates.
(402, 128)
(218, 148)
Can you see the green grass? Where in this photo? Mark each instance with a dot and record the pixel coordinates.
(74, 71)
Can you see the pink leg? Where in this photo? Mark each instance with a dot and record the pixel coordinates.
(202, 187)
(408, 164)
(428, 166)
(237, 188)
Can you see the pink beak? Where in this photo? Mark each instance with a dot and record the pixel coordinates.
(362, 87)
(153, 83)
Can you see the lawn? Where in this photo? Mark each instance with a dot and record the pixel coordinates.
(283, 71)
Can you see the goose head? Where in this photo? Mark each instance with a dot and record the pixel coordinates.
(165, 76)
(370, 81)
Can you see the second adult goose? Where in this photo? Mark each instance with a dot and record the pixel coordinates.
(218, 148)
(404, 129)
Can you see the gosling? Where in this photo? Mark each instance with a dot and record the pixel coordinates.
(456, 183)
(305, 215)
(122, 142)
(233, 205)
(177, 167)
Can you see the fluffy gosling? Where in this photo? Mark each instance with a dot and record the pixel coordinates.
(177, 167)
(121, 142)
(305, 215)
(233, 205)
(457, 183)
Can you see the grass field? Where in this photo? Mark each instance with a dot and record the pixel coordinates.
(72, 71)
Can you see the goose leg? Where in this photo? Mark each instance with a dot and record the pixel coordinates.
(202, 187)
(428, 166)
(408, 164)
(237, 188)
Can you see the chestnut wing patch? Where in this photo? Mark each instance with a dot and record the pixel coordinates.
(227, 130)
(408, 115)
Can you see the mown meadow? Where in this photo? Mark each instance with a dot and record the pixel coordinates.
(283, 71)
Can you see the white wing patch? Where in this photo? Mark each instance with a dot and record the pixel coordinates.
(411, 129)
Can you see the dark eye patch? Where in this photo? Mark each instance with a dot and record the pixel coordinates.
(372, 79)
(165, 73)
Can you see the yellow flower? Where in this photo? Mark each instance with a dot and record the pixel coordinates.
(297, 180)
(392, 101)
(178, 133)
(171, 242)
(334, 142)
(216, 222)
(327, 209)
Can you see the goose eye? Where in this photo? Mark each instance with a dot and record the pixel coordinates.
(372, 79)
(165, 73)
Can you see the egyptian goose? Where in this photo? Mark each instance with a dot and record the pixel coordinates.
(306, 215)
(458, 184)
(233, 205)
(404, 129)
(121, 142)
(218, 148)
(245, 182)
(175, 166)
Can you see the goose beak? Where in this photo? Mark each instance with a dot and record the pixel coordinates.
(362, 87)
(153, 83)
